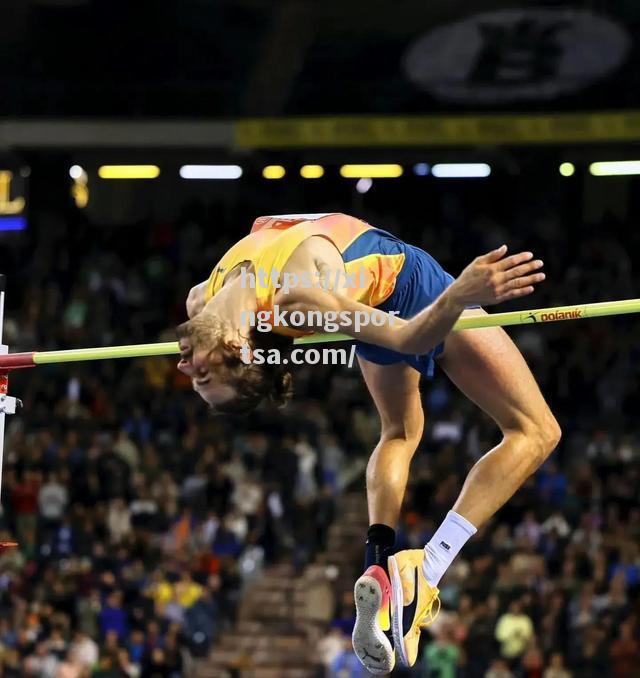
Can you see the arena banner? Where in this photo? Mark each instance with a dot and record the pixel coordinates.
(517, 54)
(454, 130)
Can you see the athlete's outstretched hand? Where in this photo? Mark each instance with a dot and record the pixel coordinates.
(493, 278)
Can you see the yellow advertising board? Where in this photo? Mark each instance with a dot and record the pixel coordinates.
(446, 130)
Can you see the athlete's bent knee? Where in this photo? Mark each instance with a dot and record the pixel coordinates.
(399, 441)
(390, 460)
(553, 433)
(544, 434)
(408, 430)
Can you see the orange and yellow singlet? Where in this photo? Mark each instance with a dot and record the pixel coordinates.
(375, 262)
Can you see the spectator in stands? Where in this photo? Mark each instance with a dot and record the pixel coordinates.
(113, 618)
(624, 652)
(513, 632)
(533, 660)
(83, 651)
(499, 669)
(442, 657)
(346, 664)
(53, 499)
(24, 498)
(556, 667)
(330, 647)
(187, 591)
(202, 622)
(72, 667)
(118, 520)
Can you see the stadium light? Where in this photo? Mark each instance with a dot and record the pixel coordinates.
(473, 170)
(312, 171)
(364, 185)
(211, 171)
(80, 187)
(371, 171)
(273, 172)
(567, 169)
(129, 172)
(616, 168)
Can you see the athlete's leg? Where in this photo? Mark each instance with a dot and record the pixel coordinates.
(395, 391)
(488, 368)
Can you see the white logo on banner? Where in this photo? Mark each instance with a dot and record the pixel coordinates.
(516, 54)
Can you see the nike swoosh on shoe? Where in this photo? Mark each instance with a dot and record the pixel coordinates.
(409, 611)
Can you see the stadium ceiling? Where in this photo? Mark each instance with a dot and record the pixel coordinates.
(244, 58)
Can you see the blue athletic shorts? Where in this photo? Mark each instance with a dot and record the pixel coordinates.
(420, 283)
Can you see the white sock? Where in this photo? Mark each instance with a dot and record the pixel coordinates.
(445, 545)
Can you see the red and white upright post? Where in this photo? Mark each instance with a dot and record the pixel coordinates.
(7, 403)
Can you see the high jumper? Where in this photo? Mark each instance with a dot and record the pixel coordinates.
(413, 304)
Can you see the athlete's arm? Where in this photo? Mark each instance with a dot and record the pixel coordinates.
(489, 279)
(415, 336)
(344, 312)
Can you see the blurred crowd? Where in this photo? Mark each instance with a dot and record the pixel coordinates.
(140, 518)
(124, 565)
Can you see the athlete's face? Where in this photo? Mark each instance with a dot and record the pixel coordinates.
(201, 358)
